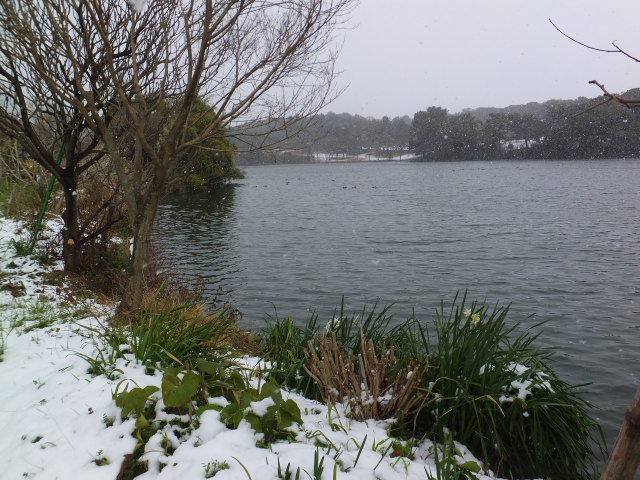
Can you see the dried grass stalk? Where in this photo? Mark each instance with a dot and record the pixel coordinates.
(369, 390)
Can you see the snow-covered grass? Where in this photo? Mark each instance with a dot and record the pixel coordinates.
(60, 422)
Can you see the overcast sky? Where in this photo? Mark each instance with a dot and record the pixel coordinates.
(401, 56)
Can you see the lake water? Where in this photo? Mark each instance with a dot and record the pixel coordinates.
(557, 239)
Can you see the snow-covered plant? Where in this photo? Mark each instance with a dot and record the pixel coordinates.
(366, 382)
(213, 467)
(265, 410)
(499, 395)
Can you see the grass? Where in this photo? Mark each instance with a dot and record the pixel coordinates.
(3, 341)
(172, 329)
(484, 383)
(168, 331)
(21, 200)
(499, 396)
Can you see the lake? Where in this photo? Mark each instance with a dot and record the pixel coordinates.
(558, 239)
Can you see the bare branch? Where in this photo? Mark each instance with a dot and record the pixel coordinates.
(616, 48)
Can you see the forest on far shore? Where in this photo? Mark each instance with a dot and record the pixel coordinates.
(555, 129)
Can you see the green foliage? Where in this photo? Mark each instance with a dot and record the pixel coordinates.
(283, 342)
(273, 424)
(210, 163)
(213, 467)
(133, 400)
(21, 198)
(287, 474)
(176, 391)
(22, 249)
(173, 333)
(40, 315)
(497, 394)
(488, 386)
(449, 465)
(108, 342)
(3, 341)
(318, 465)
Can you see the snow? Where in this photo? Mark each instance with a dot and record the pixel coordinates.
(60, 422)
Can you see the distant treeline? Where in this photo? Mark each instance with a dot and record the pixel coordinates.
(556, 129)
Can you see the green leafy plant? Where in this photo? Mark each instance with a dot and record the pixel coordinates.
(273, 423)
(498, 395)
(213, 467)
(287, 474)
(449, 464)
(100, 460)
(169, 329)
(180, 391)
(133, 400)
(283, 342)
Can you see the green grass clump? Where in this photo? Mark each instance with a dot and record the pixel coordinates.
(498, 395)
(3, 341)
(282, 342)
(22, 249)
(169, 331)
(21, 199)
(213, 467)
(39, 315)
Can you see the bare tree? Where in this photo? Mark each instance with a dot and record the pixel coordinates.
(37, 79)
(127, 66)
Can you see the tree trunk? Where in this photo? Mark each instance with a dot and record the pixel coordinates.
(139, 263)
(70, 240)
(625, 457)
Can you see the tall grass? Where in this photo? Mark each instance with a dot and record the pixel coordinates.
(171, 331)
(498, 395)
(282, 342)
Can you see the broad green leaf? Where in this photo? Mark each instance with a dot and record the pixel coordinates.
(134, 400)
(232, 414)
(470, 466)
(270, 389)
(208, 406)
(176, 392)
(255, 421)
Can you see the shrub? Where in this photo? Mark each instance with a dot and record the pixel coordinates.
(368, 388)
(498, 395)
(283, 343)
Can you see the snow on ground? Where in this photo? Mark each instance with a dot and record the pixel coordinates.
(59, 422)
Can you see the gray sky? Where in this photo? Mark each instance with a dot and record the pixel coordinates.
(402, 56)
